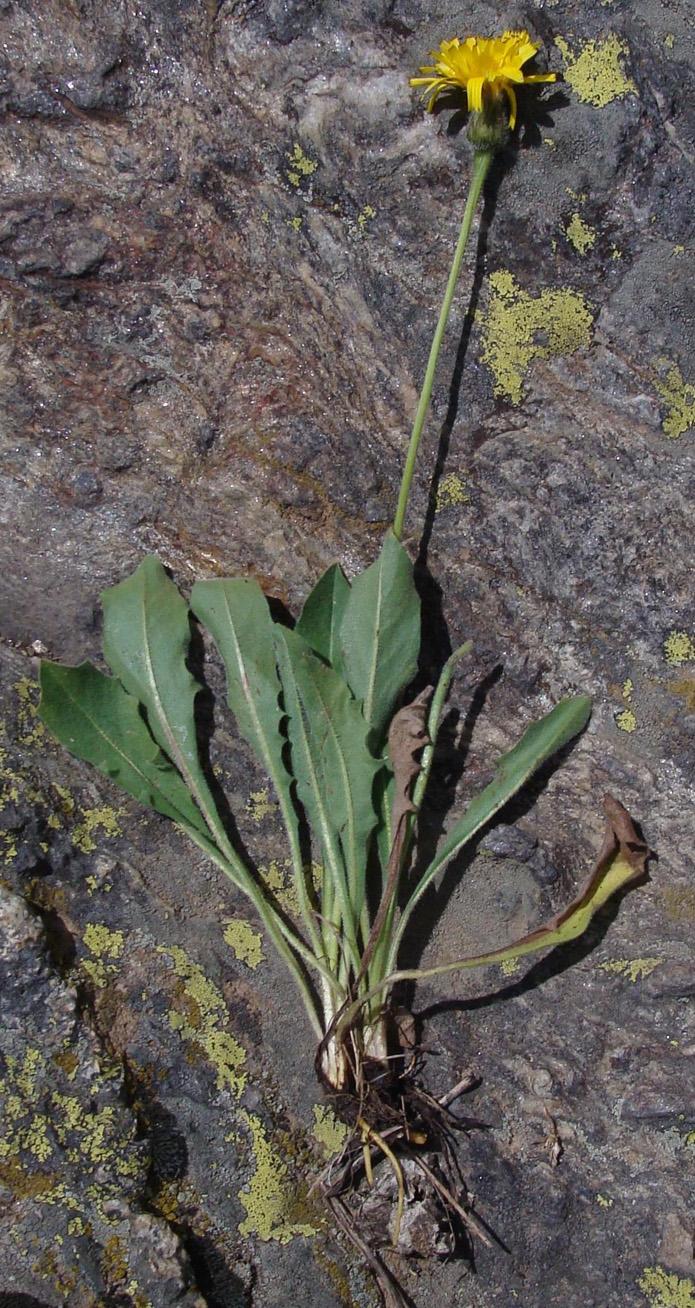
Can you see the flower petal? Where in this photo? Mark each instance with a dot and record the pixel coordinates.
(474, 91)
(511, 93)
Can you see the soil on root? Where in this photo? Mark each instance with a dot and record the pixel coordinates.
(396, 1189)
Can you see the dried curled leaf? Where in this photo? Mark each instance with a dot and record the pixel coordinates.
(407, 736)
(622, 859)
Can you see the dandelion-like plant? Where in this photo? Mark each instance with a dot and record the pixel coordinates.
(325, 706)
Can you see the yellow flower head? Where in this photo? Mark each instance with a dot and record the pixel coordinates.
(480, 66)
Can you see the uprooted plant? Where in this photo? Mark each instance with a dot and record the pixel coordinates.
(320, 704)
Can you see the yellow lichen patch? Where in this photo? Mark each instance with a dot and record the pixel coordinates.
(509, 967)
(138, 1296)
(26, 1129)
(301, 166)
(452, 492)
(679, 400)
(520, 327)
(89, 1138)
(666, 1290)
(628, 689)
(199, 1015)
(626, 720)
(103, 819)
(66, 802)
(596, 74)
(279, 880)
(295, 223)
(30, 731)
(364, 216)
(89, 1135)
(244, 941)
(669, 40)
(603, 1201)
(79, 1226)
(634, 969)
(328, 1130)
(103, 944)
(268, 1199)
(580, 234)
(679, 647)
(259, 805)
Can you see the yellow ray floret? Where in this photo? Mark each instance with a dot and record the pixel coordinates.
(481, 65)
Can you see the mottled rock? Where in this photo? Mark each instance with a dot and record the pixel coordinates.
(224, 236)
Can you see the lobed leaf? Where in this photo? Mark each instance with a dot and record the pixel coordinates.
(98, 721)
(380, 635)
(146, 641)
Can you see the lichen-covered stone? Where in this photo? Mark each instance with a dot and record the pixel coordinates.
(224, 238)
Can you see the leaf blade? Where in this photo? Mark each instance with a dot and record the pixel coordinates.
(380, 634)
(331, 761)
(98, 721)
(321, 617)
(539, 742)
(146, 642)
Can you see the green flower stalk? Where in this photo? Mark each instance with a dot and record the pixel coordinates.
(487, 69)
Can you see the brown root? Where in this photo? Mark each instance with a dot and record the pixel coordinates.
(396, 1183)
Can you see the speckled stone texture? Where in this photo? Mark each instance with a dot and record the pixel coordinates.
(225, 229)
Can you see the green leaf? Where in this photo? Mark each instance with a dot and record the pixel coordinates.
(146, 641)
(380, 634)
(237, 615)
(332, 764)
(537, 744)
(320, 619)
(98, 721)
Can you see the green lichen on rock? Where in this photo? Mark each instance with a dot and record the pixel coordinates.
(268, 1199)
(452, 492)
(301, 166)
(595, 73)
(245, 942)
(679, 401)
(103, 944)
(199, 1016)
(520, 327)
(633, 969)
(666, 1290)
(328, 1130)
(679, 647)
(580, 234)
(626, 720)
(101, 820)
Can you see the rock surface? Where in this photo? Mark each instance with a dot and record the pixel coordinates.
(224, 234)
